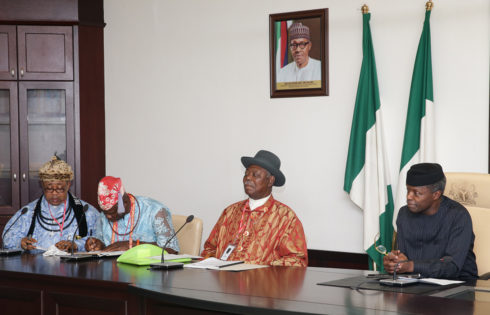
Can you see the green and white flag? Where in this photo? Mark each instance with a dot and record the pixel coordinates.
(418, 142)
(366, 173)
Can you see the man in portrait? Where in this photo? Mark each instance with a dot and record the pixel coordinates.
(303, 67)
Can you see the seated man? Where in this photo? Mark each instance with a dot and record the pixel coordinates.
(126, 219)
(435, 234)
(259, 230)
(55, 216)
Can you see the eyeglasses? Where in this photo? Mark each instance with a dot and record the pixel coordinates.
(301, 45)
(57, 190)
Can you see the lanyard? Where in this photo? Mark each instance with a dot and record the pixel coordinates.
(131, 219)
(242, 226)
(63, 222)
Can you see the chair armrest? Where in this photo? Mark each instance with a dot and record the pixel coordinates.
(484, 276)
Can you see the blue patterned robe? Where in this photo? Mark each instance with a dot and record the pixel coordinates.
(154, 225)
(46, 238)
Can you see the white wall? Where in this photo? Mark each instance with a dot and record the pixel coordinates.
(187, 94)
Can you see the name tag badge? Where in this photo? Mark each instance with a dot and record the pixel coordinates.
(228, 252)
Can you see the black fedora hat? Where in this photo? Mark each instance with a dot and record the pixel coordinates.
(269, 161)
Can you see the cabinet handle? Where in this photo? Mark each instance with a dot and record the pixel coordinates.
(15, 177)
(24, 177)
(12, 72)
(21, 72)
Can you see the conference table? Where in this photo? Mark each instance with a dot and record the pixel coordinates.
(33, 284)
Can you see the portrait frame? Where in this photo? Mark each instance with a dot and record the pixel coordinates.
(280, 57)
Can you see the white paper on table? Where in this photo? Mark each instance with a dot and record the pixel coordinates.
(174, 256)
(439, 281)
(242, 267)
(104, 254)
(54, 251)
(212, 263)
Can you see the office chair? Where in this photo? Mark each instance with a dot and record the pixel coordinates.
(472, 191)
(190, 236)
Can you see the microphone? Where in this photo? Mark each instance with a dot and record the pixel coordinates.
(396, 267)
(85, 208)
(171, 265)
(4, 251)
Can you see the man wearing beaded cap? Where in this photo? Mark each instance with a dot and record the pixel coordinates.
(303, 67)
(126, 220)
(52, 219)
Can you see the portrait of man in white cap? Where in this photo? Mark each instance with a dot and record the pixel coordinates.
(303, 67)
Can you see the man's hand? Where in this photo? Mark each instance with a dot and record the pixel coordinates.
(123, 245)
(93, 244)
(398, 260)
(66, 246)
(28, 243)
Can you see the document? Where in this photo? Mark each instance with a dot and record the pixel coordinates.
(213, 263)
(105, 254)
(90, 255)
(439, 281)
(242, 267)
(403, 281)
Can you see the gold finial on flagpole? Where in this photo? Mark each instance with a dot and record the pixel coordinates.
(429, 5)
(365, 9)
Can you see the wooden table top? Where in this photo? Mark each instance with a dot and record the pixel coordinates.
(269, 290)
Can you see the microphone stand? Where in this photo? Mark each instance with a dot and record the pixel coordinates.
(170, 265)
(13, 251)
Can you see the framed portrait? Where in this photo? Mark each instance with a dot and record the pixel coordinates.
(298, 46)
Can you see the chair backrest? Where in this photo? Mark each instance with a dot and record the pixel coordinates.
(471, 190)
(481, 220)
(190, 236)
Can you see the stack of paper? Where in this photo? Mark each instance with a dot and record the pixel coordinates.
(213, 263)
(439, 281)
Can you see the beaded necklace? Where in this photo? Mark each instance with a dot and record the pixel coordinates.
(114, 226)
(51, 224)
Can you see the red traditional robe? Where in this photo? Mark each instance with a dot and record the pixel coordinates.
(269, 235)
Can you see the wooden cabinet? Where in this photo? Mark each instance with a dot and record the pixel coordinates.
(8, 52)
(36, 52)
(9, 144)
(51, 96)
(45, 52)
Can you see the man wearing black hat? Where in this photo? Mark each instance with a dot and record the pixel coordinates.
(260, 229)
(435, 234)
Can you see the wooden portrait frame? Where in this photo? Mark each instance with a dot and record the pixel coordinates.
(317, 23)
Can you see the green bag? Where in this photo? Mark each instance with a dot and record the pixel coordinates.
(140, 255)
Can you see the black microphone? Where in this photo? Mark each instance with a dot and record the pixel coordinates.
(85, 208)
(171, 265)
(4, 251)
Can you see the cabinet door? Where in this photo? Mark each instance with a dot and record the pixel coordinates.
(46, 128)
(45, 52)
(9, 152)
(8, 53)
